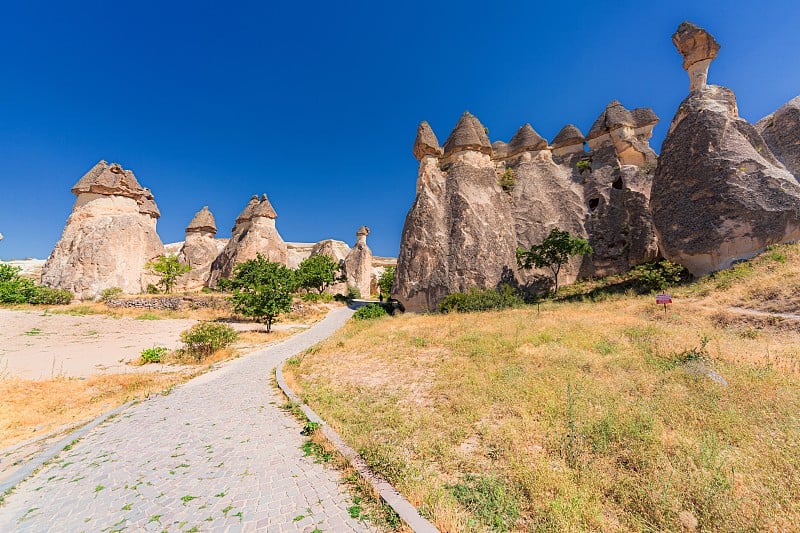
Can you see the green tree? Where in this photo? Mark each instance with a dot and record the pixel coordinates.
(261, 290)
(555, 250)
(318, 272)
(386, 280)
(169, 269)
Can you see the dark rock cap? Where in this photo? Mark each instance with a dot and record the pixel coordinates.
(264, 209)
(694, 44)
(469, 134)
(644, 116)
(568, 136)
(203, 221)
(147, 204)
(426, 142)
(247, 212)
(109, 179)
(525, 140)
(500, 149)
(616, 116)
(363, 230)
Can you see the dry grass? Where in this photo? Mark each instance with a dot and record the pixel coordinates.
(585, 416)
(37, 407)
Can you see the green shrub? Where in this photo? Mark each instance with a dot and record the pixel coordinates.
(489, 500)
(205, 338)
(658, 276)
(480, 300)
(110, 293)
(353, 293)
(370, 311)
(315, 297)
(152, 289)
(18, 290)
(507, 180)
(154, 354)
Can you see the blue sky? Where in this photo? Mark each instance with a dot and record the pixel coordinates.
(317, 104)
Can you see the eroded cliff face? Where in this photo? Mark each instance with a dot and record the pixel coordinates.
(719, 194)
(478, 202)
(108, 238)
(781, 132)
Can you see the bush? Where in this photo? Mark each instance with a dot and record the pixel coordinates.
(154, 354)
(152, 289)
(315, 297)
(18, 290)
(110, 293)
(658, 276)
(507, 180)
(369, 312)
(480, 300)
(205, 338)
(353, 293)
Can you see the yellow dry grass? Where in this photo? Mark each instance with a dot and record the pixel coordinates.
(596, 415)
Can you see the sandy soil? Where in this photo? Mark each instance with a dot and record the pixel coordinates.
(38, 346)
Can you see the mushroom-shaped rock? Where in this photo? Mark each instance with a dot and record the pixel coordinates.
(203, 221)
(247, 212)
(358, 263)
(426, 142)
(698, 49)
(500, 150)
(627, 131)
(264, 209)
(568, 140)
(469, 134)
(613, 116)
(644, 117)
(109, 179)
(526, 140)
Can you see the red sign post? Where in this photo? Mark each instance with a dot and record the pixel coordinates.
(663, 299)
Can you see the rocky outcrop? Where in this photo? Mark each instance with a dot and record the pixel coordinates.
(254, 233)
(698, 49)
(459, 232)
(781, 131)
(336, 250)
(109, 236)
(198, 251)
(719, 194)
(358, 263)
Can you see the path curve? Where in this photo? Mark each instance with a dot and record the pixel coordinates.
(217, 454)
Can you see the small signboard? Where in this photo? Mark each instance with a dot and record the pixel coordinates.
(663, 299)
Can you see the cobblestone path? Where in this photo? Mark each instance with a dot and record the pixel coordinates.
(217, 454)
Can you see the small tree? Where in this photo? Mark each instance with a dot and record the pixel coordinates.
(318, 272)
(261, 290)
(386, 280)
(169, 269)
(555, 250)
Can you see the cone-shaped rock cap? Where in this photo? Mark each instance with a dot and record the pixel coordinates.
(203, 221)
(109, 179)
(363, 230)
(247, 212)
(568, 136)
(264, 209)
(147, 204)
(469, 134)
(500, 149)
(526, 140)
(616, 116)
(694, 44)
(644, 116)
(426, 142)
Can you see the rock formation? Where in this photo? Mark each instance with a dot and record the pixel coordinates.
(254, 233)
(109, 236)
(199, 250)
(358, 263)
(781, 131)
(459, 232)
(463, 228)
(719, 194)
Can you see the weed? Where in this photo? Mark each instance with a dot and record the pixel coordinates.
(489, 500)
(298, 518)
(33, 332)
(354, 511)
(311, 448)
(148, 316)
(188, 498)
(154, 354)
(310, 428)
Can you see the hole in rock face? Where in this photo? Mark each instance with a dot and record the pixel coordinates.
(617, 184)
(593, 203)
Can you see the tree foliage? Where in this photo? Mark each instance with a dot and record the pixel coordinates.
(261, 289)
(553, 252)
(386, 281)
(14, 289)
(318, 272)
(169, 269)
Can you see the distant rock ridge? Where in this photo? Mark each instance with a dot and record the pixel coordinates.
(109, 236)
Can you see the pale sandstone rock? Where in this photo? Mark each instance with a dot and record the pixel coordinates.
(698, 49)
(358, 263)
(108, 238)
(254, 233)
(199, 250)
(719, 194)
(781, 131)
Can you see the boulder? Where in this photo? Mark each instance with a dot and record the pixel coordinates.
(336, 250)
(108, 238)
(719, 194)
(358, 264)
(199, 250)
(254, 233)
(781, 131)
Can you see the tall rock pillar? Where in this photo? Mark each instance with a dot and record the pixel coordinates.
(358, 263)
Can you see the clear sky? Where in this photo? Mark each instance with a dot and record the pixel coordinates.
(317, 104)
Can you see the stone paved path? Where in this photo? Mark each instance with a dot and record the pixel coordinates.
(217, 454)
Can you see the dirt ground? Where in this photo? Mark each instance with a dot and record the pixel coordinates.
(38, 346)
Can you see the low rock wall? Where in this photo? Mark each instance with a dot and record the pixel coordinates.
(174, 303)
